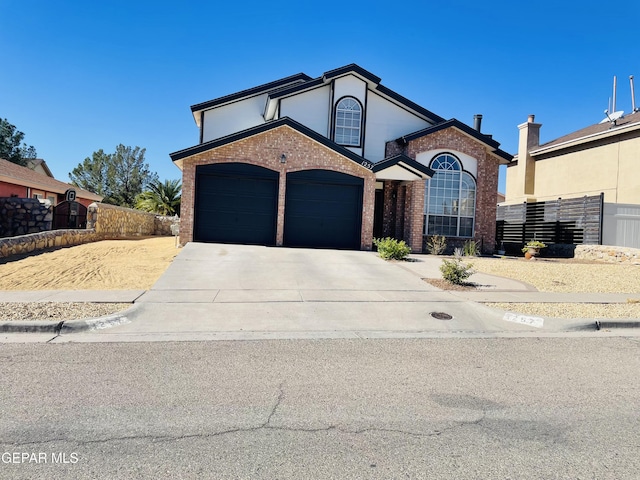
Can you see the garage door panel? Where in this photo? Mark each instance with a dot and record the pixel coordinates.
(236, 203)
(323, 209)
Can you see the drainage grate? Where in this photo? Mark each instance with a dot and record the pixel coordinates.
(441, 316)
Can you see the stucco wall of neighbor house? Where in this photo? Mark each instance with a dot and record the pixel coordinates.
(265, 150)
(610, 167)
(451, 139)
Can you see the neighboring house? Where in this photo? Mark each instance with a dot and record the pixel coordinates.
(24, 182)
(500, 198)
(335, 161)
(40, 166)
(602, 158)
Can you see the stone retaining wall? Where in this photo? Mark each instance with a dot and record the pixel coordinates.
(20, 216)
(39, 241)
(607, 253)
(103, 222)
(111, 221)
(163, 225)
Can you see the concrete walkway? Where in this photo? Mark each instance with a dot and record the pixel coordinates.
(213, 291)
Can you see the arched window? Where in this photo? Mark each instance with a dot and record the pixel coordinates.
(450, 199)
(348, 122)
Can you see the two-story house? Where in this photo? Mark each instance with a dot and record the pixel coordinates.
(332, 162)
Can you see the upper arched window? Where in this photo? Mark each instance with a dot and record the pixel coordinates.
(450, 199)
(348, 122)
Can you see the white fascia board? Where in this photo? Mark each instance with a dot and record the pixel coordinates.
(587, 138)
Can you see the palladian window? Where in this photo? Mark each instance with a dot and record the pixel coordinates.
(348, 122)
(450, 199)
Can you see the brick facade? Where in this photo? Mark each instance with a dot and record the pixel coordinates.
(265, 150)
(486, 181)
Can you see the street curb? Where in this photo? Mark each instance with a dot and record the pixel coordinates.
(608, 324)
(69, 326)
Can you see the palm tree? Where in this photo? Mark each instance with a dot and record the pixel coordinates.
(162, 198)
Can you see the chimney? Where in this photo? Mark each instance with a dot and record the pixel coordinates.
(477, 122)
(529, 139)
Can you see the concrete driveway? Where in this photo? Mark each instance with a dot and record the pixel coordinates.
(216, 291)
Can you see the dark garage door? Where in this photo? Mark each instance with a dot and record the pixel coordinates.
(323, 209)
(236, 203)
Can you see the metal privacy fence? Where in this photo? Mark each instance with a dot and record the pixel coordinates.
(621, 225)
(571, 221)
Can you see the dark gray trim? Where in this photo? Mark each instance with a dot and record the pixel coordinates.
(297, 78)
(317, 82)
(409, 104)
(201, 126)
(486, 139)
(391, 161)
(340, 71)
(312, 134)
(363, 134)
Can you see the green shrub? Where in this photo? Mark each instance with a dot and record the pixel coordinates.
(471, 248)
(436, 244)
(392, 249)
(456, 271)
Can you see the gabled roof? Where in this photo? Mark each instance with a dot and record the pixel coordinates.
(300, 82)
(406, 163)
(284, 121)
(592, 132)
(370, 78)
(486, 139)
(23, 176)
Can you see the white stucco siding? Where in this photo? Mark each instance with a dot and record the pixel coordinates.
(312, 109)
(386, 121)
(235, 117)
(350, 86)
(469, 164)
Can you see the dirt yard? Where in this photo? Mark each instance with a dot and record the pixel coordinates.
(106, 265)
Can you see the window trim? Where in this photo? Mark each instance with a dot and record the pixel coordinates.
(461, 171)
(335, 121)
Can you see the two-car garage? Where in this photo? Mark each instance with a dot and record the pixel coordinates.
(238, 203)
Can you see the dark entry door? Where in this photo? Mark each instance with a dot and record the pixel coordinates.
(236, 203)
(323, 209)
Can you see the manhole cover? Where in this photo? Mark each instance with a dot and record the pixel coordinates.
(441, 316)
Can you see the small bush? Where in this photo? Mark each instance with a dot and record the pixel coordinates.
(471, 248)
(436, 244)
(392, 249)
(456, 271)
(458, 252)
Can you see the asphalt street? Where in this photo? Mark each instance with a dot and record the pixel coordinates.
(520, 408)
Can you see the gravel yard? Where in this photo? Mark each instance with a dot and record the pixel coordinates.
(57, 311)
(567, 276)
(106, 265)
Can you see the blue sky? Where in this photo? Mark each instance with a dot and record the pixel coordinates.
(81, 76)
